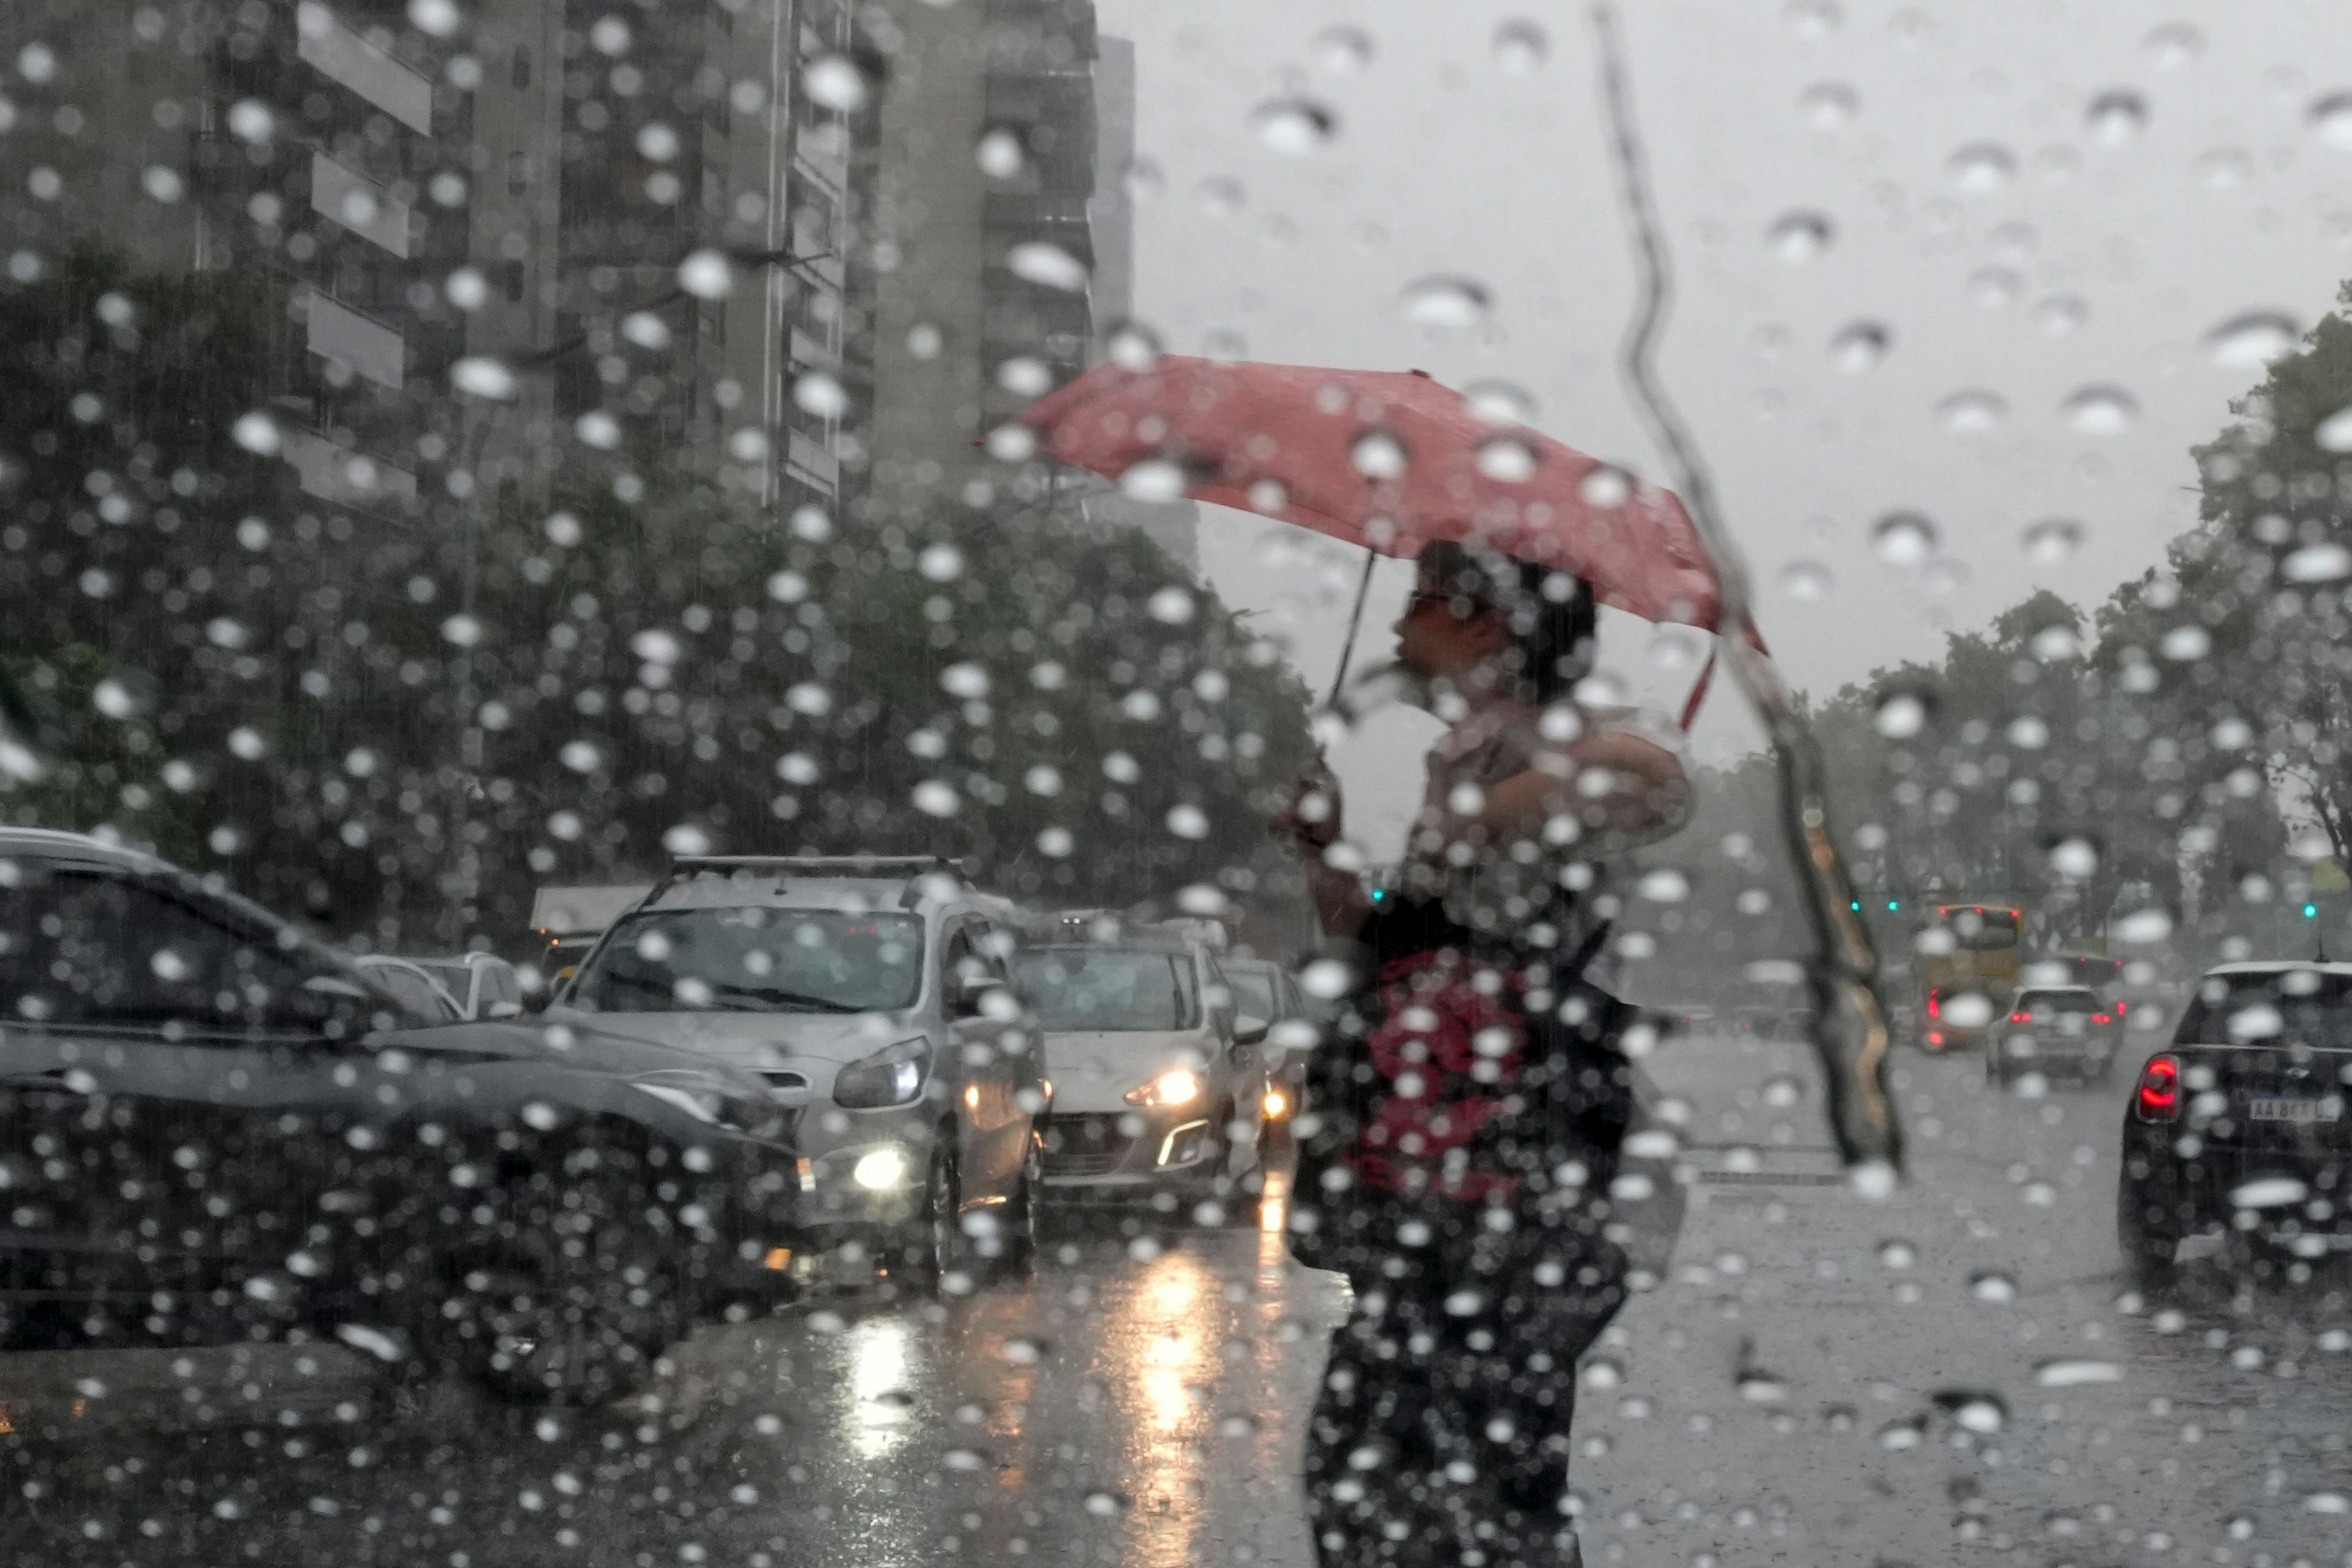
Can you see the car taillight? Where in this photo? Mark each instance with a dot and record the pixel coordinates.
(2021, 1018)
(2100, 1018)
(1935, 1005)
(2122, 1008)
(2159, 1098)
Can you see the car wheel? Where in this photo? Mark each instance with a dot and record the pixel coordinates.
(571, 1318)
(2148, 1248)
(1020, 1258)
(936, 1259)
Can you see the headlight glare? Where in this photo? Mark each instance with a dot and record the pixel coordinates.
(1176, 1085)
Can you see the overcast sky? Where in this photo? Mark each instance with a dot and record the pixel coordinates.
(2009, 241)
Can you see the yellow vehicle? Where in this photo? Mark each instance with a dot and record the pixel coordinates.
(1969, 958)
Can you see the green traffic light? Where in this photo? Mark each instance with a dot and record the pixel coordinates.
(2311, 911)
(1857, 906)
(1892, 905)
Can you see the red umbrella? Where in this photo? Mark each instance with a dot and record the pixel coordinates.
(1386, 459)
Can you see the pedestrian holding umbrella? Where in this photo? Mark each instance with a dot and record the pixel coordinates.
(1466, 1119)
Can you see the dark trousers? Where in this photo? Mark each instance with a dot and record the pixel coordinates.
(1441, 1436)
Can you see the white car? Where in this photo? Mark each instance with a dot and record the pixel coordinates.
(1159, 1089)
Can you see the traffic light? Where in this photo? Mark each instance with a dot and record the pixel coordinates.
(1892, 905)
(1856, 906)
(2311, 911)
(1379, 895)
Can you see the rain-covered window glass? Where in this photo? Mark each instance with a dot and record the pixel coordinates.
(1342, 785)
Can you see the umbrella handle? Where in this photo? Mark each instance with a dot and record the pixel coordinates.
(1355, 619)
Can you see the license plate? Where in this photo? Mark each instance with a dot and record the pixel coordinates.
(2268, 1109)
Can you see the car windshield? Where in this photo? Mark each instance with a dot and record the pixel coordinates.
(2301, 1006)
(754, 959)
(1253, 994)
(2052, 1002)
(1111, 989)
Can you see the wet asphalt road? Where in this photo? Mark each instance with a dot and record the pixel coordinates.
(1957, 1371)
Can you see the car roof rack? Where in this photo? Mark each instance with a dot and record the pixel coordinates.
(913, 867)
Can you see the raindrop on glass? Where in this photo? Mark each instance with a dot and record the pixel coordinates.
(2050, 540)
(1828, 105)
(2060, 314)
(1807, 580)
(483, 376)
(1995, 1288)
(2252, 340)
(2331, 120)
(2323, 563)
(1859, 346)
(2100, 411)
(1521, 46)
(999, 154)
(2333, 433)
(1377, 454)
(1046, 265)
(1797, 237)
(1971, 413)
(1981, 1412)
(2116, 117)
(1153, 479)
(1292, 125)
(835, 82)
(1981, 167)
(1902, 538)
(706, 275)
(1507, 459)
(1900, 715)
(2074, 859)
(2173, 45)
(1132, 346)
(1445, 301)
(1342, 51)
(1500, 401)
(1606, 487)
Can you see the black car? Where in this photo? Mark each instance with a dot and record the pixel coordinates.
(2239, 1124)
(210, 1125)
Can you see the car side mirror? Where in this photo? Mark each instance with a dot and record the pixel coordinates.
(968, 995)
(1249, 1031)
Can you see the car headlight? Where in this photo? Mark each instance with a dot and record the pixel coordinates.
(892, 1075)
(1176, 1085)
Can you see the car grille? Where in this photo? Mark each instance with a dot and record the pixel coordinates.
(1085, 1145)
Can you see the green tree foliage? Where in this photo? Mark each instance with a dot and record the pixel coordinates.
(401, 723)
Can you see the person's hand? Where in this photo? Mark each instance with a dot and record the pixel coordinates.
(1310, 820)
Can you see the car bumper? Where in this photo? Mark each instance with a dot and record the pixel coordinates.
(1108, 1155)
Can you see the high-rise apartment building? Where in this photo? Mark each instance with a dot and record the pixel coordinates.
(519, 188)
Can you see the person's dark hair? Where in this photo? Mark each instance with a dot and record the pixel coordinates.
(1551, 612)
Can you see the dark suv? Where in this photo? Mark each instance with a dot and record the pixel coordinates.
(210, 1125)
(2239, 1124)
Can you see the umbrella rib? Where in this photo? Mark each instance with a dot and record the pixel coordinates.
(1355, 619)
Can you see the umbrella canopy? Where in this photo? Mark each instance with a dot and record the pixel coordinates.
(1384, 459)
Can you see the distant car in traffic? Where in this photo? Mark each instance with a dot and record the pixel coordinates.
(483, 985)
(1262, 989)
(420, 994)
(2055, 1030)
(211, 1126)
(871, 995)
(1159, 1087)
(2239, 1125)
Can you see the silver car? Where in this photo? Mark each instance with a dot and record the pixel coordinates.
(872, 996)
(1159, 1090)
(2054, 1029)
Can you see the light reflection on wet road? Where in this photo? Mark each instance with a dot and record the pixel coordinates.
(1776, 1399)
